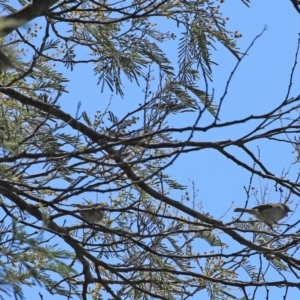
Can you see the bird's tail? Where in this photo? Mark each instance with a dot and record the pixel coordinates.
(246, 210)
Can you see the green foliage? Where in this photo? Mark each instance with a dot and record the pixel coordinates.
(25, 262)
(148, 245)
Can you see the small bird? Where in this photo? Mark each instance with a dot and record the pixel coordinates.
(6, 63)
(269, 213)
(92, 213)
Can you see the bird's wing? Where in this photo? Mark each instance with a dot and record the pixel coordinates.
(266, 206)
(296, 4)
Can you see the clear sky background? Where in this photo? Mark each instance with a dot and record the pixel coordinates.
(260, 84)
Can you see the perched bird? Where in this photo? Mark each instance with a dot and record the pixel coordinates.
(92, 213)
(6, 63)
(269, 213)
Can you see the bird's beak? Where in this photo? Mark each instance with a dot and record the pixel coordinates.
(291, 210)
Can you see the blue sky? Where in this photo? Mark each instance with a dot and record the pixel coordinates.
(259, 84)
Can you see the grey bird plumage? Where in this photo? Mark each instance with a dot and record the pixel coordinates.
(92, 213)
(269, 213)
